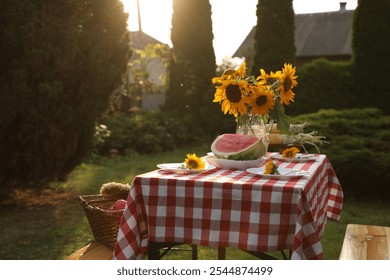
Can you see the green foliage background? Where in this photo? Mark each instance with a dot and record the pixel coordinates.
(359, 148)
(371, 53)
(323, 84)
(274, 36)
(190, 91)
(60, 60)
(143, 133)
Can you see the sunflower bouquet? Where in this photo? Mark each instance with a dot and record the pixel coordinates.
(266, 95)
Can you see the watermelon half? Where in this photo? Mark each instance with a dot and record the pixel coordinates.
(238, 147)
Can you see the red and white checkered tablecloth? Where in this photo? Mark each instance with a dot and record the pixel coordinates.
(232, 208)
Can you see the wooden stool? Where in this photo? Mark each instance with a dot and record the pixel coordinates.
(93, 251)
(366, 242)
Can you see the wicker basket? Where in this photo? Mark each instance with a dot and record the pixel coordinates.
(104, 223)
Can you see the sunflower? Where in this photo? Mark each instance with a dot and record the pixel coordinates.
(232, 96)
(230, 74)
(261, 101)
(241, 71)
(290, 152)
(193, 162)
(287, 83)
(271, 168)
(268, 79)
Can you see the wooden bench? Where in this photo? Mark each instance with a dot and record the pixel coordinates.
(366, 242)
(93, 251)
(98, 251)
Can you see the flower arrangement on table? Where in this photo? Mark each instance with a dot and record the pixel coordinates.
(290, 152)
(266, 96)
(271, 168)
(193, 162)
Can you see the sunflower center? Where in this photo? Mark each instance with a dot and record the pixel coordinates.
(261, 100)
(233, 93)
(193, 164)
(287, 83)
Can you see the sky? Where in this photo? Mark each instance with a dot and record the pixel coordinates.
(232, 19)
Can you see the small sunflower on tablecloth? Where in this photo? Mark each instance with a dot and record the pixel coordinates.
(290, 152)
(271, 168)
(194, 163)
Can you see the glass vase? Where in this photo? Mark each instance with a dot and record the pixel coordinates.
(253, 125)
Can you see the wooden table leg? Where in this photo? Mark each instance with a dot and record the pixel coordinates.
(194, 253)
(221, 253)
(153, 251)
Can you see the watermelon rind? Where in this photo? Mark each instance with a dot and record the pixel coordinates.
(251, 152)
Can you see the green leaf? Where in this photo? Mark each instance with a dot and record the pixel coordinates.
(251, 79)
(279, 115)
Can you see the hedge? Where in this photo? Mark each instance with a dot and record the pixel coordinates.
(359, 148)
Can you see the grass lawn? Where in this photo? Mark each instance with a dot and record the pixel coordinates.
(50, 224)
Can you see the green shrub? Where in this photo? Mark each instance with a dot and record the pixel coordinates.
(359, 148)
(144, 132)
(156, 131)
(323, 84)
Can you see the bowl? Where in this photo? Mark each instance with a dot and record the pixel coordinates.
(234, 164)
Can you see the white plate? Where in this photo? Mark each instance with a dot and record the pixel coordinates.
(283, 173)
(298, 157)
(234, 164)
(178, 168)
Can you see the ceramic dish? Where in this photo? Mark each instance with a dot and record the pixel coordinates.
(298, 157)
(285, 173)
(179, 168)
(234, 164)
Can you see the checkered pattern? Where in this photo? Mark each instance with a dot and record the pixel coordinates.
(232, 208)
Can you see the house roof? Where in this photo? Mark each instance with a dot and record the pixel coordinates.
(316, 34)
(324, 33)
(139, 40)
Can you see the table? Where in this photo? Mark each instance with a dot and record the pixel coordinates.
(232, 208)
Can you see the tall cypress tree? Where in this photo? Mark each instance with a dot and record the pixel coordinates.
(371, 53)
(193, 59)
(274, 35)
(60, 60)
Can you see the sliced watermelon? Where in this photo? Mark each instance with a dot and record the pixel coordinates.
(238, 147)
